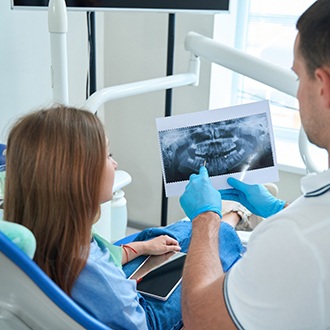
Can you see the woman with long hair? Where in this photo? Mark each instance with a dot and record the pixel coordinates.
(58, 172)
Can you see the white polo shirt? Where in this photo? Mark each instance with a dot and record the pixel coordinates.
(283, 280)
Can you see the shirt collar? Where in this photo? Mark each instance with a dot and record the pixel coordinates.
(315, 184)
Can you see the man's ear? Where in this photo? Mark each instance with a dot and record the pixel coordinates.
(323, 76)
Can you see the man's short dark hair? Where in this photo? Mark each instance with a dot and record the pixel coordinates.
(314, 33)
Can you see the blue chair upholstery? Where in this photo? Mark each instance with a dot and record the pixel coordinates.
(2, 157)
(126, 239)
(29, 299)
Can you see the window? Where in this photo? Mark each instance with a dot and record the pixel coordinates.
(270, 35)
(267, 30)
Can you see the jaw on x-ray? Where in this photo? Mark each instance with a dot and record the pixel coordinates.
(229, 146)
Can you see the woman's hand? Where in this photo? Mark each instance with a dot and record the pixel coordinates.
(161, 244)
(156, 246)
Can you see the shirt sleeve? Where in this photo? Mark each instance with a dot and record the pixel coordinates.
(103, 290)
(264, 289)
(116, 252)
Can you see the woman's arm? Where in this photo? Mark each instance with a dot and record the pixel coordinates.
(159, 245)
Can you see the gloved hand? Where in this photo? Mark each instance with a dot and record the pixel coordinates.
(200, 196)
(256, 198)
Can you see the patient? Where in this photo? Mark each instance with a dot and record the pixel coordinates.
(58, 172)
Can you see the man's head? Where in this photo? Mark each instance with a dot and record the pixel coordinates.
(312, 66)
(314, 34)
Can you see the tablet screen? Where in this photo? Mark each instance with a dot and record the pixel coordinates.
(160, 275)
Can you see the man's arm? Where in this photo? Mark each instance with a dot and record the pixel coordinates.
(203, 305)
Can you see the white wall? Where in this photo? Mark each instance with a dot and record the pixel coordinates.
(135, 49)
(25, 83)
(130, 47)
(289, 185)
(25, 61)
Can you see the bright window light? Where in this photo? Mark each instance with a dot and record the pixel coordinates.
(270, 35)
(265, 29)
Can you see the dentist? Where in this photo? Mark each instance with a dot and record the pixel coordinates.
(283, 280)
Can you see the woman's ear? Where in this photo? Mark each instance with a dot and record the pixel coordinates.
(323, 77)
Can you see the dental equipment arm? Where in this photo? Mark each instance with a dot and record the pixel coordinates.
(268, 73)
(272, 75)
(58, 27)
(116, 92)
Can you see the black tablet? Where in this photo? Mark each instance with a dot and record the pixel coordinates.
(159, 275)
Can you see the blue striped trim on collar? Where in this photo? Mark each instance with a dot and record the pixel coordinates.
(318, 192)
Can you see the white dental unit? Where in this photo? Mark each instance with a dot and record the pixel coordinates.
(199, 46)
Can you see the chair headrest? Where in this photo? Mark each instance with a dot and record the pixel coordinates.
(19, 235)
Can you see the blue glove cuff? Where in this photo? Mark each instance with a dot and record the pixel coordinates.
(280, 206)
(206, 209)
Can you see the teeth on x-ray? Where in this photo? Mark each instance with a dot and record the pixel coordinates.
(226, 147)
(215, 147)
(218, 160)
(197, 162)
(220, 154)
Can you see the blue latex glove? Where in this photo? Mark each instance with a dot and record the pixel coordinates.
(256, 198)
(200, 196)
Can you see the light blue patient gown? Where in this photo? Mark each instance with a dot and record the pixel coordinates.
(103, 290)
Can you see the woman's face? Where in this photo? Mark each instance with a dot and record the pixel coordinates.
(108, 177)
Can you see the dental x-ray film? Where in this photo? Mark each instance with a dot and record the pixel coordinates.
(236, 141)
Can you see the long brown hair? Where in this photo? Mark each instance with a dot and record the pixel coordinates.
(54, 167)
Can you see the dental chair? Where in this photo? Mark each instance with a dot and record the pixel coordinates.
(29, 299)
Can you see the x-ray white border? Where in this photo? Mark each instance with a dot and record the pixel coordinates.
(267, 174)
